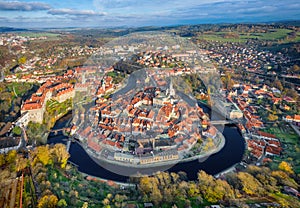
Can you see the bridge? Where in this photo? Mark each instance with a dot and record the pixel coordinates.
(68, 144)
(55, 131)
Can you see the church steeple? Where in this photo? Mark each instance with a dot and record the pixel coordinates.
(171, 90)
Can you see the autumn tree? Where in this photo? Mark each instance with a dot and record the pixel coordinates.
(2, 159)
(263, 175)
(48, 201)
(272, 117)
(21, 163)
(43, 154)
(60, 154)
(227, 81)
(214, 190)
(285, 166)
(11, 156)
(22, 60)
(249, 184)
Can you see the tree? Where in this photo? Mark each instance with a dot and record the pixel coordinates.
(249, 184)
(214, 190)
(105, 201)
(17, 130)
(22, 60)
(2, 159)
(155, 195)
(61, 154)
(193, 190)
(295, 68)
(286, 167)
(11, 156)
(272, 117)
(277, 84)
(43, 154)
(21, 163)
(62, 203)
(284, 179)
(48, 201)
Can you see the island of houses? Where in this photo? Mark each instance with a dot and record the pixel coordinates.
(146, 125)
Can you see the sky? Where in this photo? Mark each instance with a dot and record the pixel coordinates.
(134, 13)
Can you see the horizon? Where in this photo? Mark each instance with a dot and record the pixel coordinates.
(47, 14)
(124, 27)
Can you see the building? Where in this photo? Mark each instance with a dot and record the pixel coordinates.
(160, 157)
(9, 143)
(125, 157)
(35, 106)
(65, 94)
(235, 114)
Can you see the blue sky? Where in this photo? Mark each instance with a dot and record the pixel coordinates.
(111, 13)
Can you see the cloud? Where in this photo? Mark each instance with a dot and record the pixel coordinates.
(146, 12)
(23, 6)
(75, 12)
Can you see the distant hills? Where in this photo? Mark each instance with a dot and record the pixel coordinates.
(11, 29)
(125, 30)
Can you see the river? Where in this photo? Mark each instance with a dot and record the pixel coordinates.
(231, 154)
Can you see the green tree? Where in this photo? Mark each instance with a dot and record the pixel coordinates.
(17, 130)
(62, 203)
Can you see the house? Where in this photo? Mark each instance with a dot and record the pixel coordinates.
(294, 118)
(264, 135)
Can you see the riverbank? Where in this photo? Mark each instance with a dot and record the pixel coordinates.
(231, 153)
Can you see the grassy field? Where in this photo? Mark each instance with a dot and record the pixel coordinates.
(274, 35)
(285, 133)
(38, 34)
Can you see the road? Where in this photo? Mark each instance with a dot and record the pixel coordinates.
(192, 102)
(295, 128)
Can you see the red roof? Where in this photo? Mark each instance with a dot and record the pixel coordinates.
(264, 134)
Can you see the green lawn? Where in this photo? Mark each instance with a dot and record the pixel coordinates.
(274, 35)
